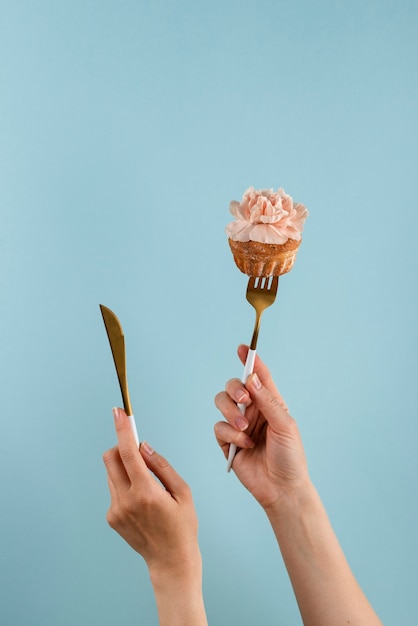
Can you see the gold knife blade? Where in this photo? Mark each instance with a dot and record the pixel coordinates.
(117, 345)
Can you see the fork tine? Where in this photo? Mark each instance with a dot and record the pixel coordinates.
(274, 284)
(263, 283)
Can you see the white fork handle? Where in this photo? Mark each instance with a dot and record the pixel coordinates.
(134, 430)
(248, 369)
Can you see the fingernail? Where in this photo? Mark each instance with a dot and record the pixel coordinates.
(116, 414)
(241, 423)
(256, 382)
(241, 395)
(249, 443)
(147, 448)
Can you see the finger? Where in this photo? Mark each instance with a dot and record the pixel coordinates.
(128, 450)
(237, 391)
(225, 435)
(165, 473)
(115, 470)
(263, 372)
(230, 410)
(112, 489)
(270, 404)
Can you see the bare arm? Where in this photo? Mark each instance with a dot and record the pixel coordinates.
(325, 588)
(272, 466)
(159, 522)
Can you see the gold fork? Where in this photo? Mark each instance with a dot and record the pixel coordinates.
(261, 293)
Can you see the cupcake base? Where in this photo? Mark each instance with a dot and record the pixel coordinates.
(264, 259)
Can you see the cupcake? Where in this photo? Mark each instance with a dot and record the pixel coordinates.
(266, 233)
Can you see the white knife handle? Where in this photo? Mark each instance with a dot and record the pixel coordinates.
(134, 430)
(248, 369)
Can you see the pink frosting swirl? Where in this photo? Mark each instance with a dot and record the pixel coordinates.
(266, 216)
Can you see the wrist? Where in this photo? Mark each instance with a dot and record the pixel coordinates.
(184, 571)
(178, 592)
(305, 535)
(292, 502)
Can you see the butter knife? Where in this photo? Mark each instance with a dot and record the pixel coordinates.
(117, 345)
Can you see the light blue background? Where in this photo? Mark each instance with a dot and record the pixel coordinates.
(125, 130)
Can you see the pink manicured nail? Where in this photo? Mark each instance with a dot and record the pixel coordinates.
(116, 414)
(256, 382)
(241, 423)
(241, 395)
(147, 448)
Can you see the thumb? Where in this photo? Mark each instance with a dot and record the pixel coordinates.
(166, 474)
(269, 403)
(263, 372)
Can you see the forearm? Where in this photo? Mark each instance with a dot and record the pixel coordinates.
(179, 595)
(325, 588)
